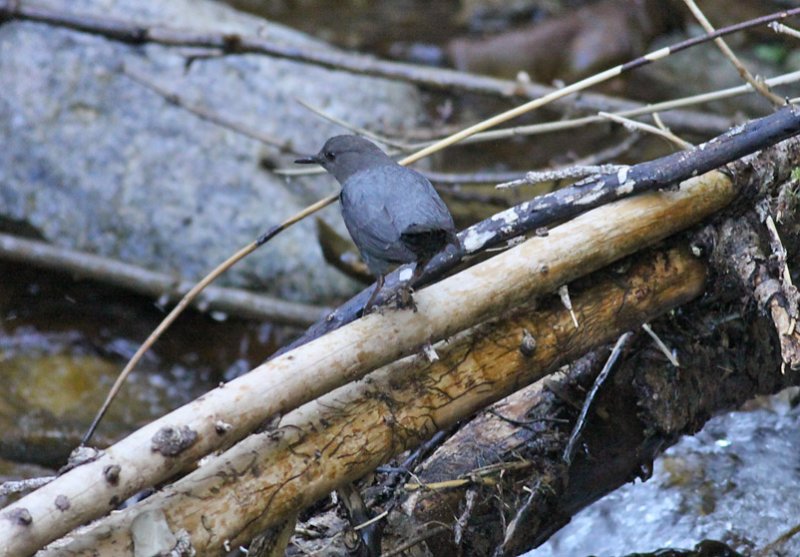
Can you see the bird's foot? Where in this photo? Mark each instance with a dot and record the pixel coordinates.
(373, 308)
(405, 300)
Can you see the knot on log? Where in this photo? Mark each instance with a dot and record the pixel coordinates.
(172, 441)
(20, 516)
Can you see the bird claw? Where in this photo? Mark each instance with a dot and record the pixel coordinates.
(374, 308)
(405, 300)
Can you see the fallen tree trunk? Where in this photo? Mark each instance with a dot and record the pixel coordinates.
(349, 432)
(505, 468)
(642, 410)
(313, 476)
(225, 415)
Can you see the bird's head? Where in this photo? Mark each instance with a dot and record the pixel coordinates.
(344, 155)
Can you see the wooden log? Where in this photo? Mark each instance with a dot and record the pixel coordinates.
(227, 414)
(347, 433)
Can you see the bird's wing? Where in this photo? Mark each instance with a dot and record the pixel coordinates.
(385, 207)
(414, 204)
(369, 218)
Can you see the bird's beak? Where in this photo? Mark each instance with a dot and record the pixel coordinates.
(311, 159)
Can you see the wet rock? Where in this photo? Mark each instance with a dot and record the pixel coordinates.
(48, 400)
(729, 483)
(94, 161)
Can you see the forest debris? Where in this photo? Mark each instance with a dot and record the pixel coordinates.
(580, 423)
(739, 251)
(670, 355)
(418, 398)
(563, 293)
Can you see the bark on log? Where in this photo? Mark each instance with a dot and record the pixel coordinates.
(227, 414)
(646, 407)
(566, 203)
(347, 433)
(649, 406)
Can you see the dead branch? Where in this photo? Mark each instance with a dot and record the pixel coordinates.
(347, 433)
(645, 410)
(151, 283)
(534, 267)
(724, 362)
(568, 202)
(757, 85)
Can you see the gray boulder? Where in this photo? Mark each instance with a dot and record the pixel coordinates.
(94, 161)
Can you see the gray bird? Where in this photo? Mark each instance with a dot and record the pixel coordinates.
(392, 213)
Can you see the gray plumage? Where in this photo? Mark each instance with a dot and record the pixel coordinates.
(392, 213)
(404, 221)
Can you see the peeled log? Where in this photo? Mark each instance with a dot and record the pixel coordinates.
(537, 266)
(347, 433)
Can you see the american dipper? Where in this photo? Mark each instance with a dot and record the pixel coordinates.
(392, 212)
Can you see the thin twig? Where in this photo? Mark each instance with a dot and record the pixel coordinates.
(463, 520)
(355, 129)
(769, 549)
(633, 125)
(785, 29)
(778, 249)
(758, 85)
(204, 113)
(526, 423)
(371, 521)
(459, 193)
(569, 450)
(438, 529)
(519, 519)
(482, 177)
(779, 253)
(562, 125)
(661, 346)
(476, 476)
(581, 168)
(608, 153)
(407, 466)
(563, 292)
(557, 174)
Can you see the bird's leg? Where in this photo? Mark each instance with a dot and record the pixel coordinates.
(404, 298)
(369, 303)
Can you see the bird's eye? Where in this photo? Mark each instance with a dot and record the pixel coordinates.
(329, 156)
